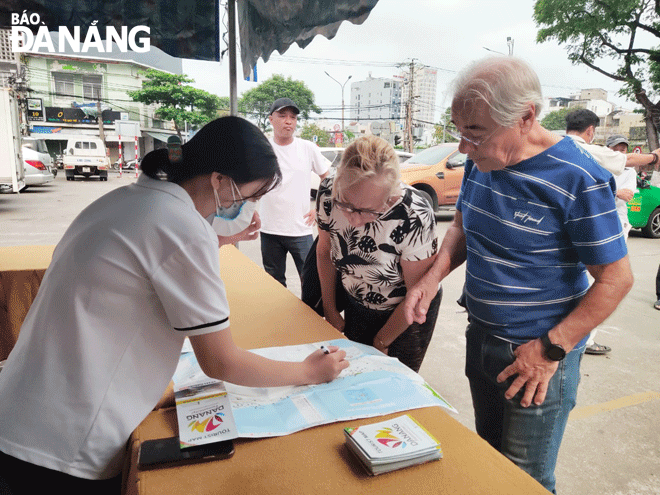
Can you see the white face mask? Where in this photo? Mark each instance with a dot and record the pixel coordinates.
(235, 218)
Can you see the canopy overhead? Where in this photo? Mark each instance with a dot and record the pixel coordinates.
(191, 28)
(269, 25)
(181, 28)
(161, 136)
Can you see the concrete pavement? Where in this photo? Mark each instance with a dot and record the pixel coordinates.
(612, 444)
(612, 441)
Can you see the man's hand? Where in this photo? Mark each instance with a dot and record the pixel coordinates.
(534, 372)
(625, 194)
(418, 300)
(310, 217)
(250, 233)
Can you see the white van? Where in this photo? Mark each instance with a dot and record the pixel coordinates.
(86, 156)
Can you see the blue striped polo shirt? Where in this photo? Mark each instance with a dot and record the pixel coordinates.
(531, 229)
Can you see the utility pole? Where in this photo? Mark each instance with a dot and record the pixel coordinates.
(410, 104)
(100, 119)
(342, 96)
(19, 85)
(231, 33)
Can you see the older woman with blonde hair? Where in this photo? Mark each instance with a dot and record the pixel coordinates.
(379, 235)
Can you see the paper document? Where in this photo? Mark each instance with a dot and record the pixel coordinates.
(373, 385)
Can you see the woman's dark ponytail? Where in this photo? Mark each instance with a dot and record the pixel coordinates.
(156, 163)
(231, 146)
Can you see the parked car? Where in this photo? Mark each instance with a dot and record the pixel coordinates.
(86, 156)
(36, 173)
(36, 149)
(333, 155)
(644, 209)
(37, 162)
(437, 172)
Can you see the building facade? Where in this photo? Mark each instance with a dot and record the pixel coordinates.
(375, 98)
(419, 93)
(613, 120)
(71, 94)
(9, 63)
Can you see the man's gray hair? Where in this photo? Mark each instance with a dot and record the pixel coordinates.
(506, 84)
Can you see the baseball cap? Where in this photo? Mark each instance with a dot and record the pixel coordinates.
(615, 139)
(281, 103)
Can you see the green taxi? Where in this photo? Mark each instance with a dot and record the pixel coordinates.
(644, 209)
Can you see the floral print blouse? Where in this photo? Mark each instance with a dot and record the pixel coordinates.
(369, 258)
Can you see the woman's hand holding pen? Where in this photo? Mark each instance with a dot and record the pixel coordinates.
(322, 366)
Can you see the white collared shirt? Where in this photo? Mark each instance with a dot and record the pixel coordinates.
(136, 272)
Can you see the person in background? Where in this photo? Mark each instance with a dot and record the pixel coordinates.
(534, 211)
(286, 217)
(102, 338)
(657, 290)
(380, 235)
(581, 127)
(617, 142)
(626, 183)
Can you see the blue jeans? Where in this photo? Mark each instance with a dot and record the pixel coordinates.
(531, 436)
(274, 249)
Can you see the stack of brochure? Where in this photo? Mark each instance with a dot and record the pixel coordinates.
(392, 444)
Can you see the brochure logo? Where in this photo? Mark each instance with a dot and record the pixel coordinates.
(388, 439)
(207, 425)
(23, 39)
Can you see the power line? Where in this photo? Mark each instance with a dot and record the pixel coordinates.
(329, 61)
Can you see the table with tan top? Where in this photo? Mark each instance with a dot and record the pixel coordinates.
(265, 314)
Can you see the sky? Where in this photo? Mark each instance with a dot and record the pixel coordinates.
(444, 34)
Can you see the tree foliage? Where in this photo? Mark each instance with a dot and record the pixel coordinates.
(445, 131)
(617, 38)
(310, 130)
(223, 109)
(178, 101)
(556, 120)
(256, 102)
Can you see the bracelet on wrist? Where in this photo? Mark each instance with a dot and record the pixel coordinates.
(655, 159)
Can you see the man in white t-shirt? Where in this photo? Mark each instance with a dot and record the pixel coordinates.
(626, 183)
(286, 215)
(581, 127)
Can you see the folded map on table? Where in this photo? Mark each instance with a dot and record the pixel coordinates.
(373, 385)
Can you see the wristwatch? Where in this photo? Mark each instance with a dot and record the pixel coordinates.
(554, 352)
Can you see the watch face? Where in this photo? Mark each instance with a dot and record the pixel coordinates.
(553, 352)
(556, 353)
